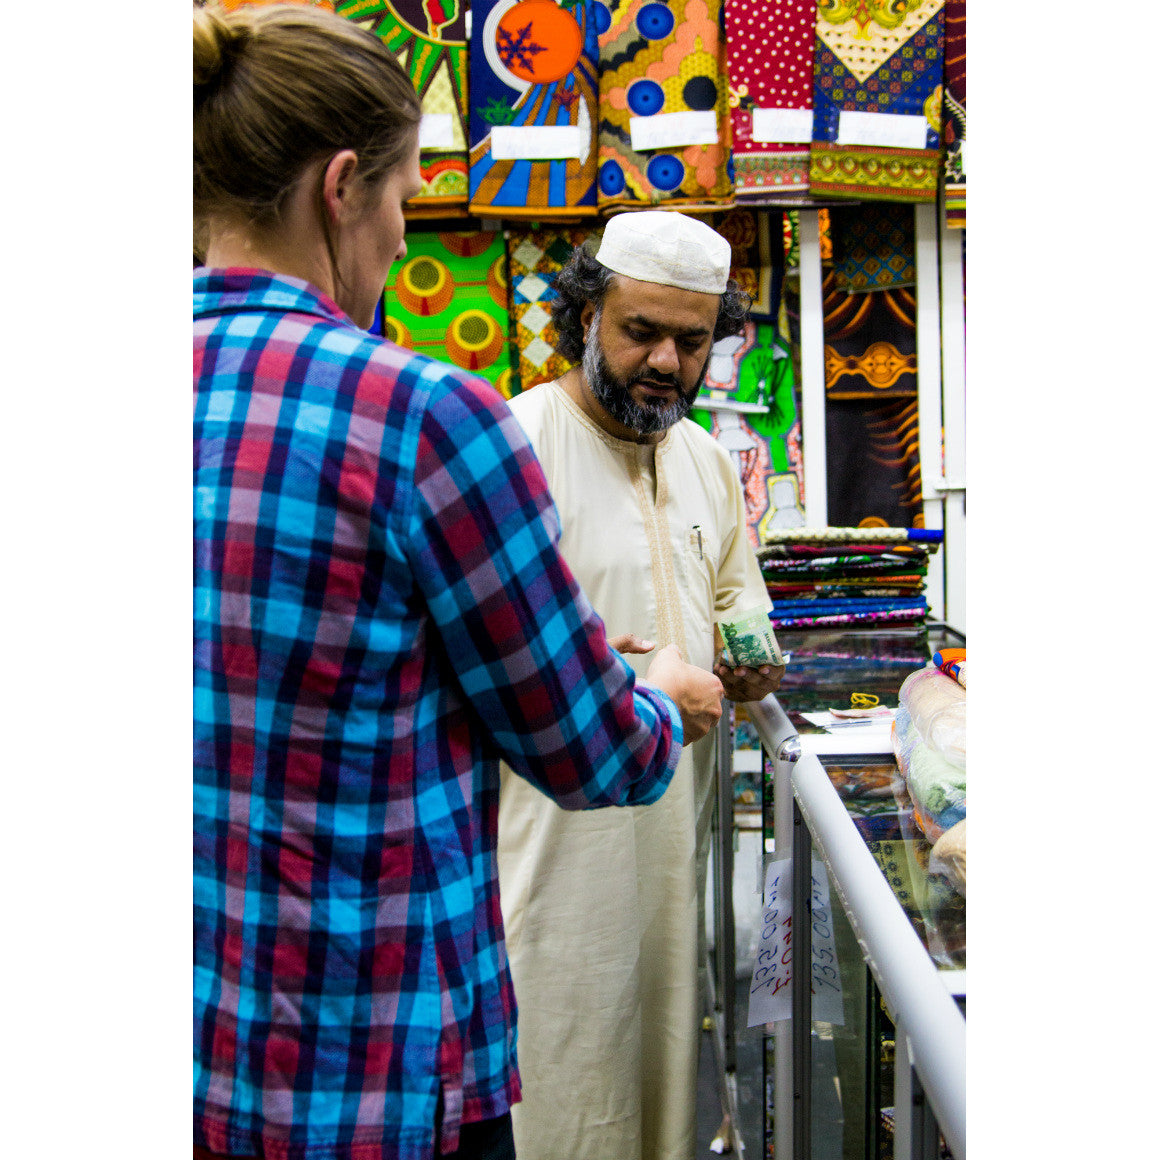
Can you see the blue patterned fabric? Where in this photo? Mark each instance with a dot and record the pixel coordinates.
(381, 613)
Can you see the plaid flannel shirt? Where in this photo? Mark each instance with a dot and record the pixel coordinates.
(381, 613)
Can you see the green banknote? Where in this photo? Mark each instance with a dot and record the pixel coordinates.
(749, 640)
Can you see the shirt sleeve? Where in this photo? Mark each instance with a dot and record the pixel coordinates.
(740, 585)
(557, 703)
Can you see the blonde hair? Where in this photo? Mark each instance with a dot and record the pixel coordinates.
(277, 89)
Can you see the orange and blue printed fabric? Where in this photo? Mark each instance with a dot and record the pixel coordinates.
(533, 97)
(770, 48)
(878, 72)
(429, 38)
(535, 257)
(664, 118)
(449, 300)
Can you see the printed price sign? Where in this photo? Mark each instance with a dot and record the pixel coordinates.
(769, 991)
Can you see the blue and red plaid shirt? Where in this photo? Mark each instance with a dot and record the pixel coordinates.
(381, 613)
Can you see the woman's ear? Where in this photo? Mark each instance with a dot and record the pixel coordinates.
(338, 180)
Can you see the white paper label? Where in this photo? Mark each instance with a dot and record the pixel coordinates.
(435, 131)
(536, 142)
(898, 130)
(769, 991)
(783, 125)
(673, 130)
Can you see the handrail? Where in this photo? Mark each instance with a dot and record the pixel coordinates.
(899, 962)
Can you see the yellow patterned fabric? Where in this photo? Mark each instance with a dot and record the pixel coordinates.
(880, 57)
(429, 38)
(535, 257)
(662, 61)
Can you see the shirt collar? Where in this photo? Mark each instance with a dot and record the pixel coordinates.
(235, 288)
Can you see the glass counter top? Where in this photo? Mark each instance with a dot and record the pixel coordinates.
(823, 670)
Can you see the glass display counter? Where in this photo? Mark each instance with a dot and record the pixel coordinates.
(891, 919)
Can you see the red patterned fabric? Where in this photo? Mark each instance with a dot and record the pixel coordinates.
(770, 49)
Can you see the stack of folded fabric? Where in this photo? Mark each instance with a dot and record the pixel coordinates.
(818, 577)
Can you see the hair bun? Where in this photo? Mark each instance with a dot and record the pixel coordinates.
(217, 43)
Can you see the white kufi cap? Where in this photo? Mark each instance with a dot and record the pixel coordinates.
(668, 248)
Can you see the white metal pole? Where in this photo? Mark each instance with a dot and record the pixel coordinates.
(954, 484)
(916, 997)
(778, 735)
(930, 418)
(813, 355)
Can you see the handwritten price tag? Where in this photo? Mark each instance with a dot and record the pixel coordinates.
(769, 991)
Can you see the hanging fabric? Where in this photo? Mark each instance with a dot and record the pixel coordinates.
(429, 39)
(231, 5)
(533, 103)
(770, 51)
(955, 115)
(664, 124)
(873, 246)
(449, 300)
(756, 262)
(878, 70)
(748, 404)
(535, 257)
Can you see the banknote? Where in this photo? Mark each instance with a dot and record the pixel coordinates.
(749, 640)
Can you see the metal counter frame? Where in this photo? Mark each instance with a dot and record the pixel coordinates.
(930, 1028)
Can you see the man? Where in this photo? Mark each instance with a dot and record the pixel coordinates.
(602, 912)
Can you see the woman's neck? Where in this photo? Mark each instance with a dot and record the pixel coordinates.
(237, 246)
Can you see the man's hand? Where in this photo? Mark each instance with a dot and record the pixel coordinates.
(696, 692)
(745, 684)
(629, 642)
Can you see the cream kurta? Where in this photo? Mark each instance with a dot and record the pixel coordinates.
(600, 908)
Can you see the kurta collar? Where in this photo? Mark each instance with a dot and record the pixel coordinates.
(624, 446)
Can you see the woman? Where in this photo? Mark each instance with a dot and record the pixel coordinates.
(381, 614)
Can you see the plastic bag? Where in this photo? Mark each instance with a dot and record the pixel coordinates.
(930, 745)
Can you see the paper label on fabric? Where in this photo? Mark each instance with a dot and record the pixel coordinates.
(436, 131)
(769, 991)
(673, 130)
(783, 125)
(536, 142)
(897, 130)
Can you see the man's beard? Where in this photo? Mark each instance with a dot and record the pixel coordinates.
(613, 394)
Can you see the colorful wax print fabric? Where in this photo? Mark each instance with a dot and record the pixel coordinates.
(664, 124)
(791, 238)
(871, 378)
(757, 261)
(877, 59)
(870, 344)
(749, 405)
(429, 38)
(535, 257)
(230, 5)
(449, 300)
(534, 95)
(770, 52)
(955, 115)
(873, 477)
(873, 246)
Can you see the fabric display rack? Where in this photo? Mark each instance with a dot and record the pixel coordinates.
(823, 139)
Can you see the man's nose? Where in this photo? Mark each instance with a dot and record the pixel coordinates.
(664, 357)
